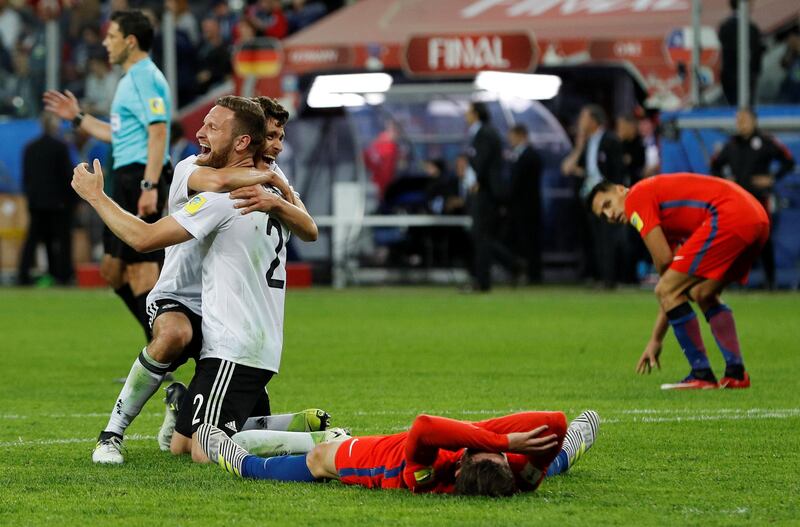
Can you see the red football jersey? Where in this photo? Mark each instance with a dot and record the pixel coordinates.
(425, 458)
(681, 203)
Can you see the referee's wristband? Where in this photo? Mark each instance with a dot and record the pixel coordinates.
(76, 122)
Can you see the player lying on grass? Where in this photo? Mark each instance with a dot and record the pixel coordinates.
(703, 234)
(496, 457)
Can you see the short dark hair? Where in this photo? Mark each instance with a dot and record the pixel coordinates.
(249, 119)
(481, 110)
(134, 22)
(597, 113)
(603, 186)
(484, 478)
(272, 109)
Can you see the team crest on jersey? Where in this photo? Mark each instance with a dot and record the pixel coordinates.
(637, 222)
(157, 106)
(195, 204)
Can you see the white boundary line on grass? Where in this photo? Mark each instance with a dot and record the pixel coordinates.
(630, 416)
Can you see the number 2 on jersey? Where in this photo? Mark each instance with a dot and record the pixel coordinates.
(274, 282)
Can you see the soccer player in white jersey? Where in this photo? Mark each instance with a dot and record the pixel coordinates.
(174, 304)
(243, 273)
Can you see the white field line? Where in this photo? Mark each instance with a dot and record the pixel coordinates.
(66, 441)
(646, 416)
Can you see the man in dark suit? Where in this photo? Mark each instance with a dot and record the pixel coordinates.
(486, 162)
(47, 172)
(729, 41)
(597, 156)
(524, 205)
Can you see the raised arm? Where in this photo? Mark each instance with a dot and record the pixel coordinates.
(66, 106)
(429, 433)
(207, 179)
(141, 236)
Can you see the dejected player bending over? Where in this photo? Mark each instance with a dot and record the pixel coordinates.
(703, 234)
(496, 457)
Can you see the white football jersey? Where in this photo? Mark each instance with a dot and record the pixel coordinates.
(180, 276)
(243, 277)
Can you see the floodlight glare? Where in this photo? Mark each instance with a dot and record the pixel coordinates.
(331, 91)
(522, 85)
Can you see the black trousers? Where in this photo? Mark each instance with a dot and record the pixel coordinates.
(486, 235)
(54, 229)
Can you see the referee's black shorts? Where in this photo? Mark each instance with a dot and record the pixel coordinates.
(127, 189)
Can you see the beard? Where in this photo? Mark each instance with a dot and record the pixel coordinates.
(217, 159)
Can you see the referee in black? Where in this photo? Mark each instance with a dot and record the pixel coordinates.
(139, 137)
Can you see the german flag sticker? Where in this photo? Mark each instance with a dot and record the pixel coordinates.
(157, 106)
(195, 204)
(637, 222)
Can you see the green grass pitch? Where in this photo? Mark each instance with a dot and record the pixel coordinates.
(375, 358)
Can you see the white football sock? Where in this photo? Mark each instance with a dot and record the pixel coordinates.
(268, 443)
(279, 422)
(142, 382)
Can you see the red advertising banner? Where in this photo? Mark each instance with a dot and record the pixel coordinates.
(465, 54)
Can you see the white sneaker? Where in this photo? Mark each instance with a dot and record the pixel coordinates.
(108, 451)
(581, 434)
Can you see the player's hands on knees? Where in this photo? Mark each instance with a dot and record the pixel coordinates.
(88, 185)
(650, 358)
(256, 198)
(64, 105)
(531, 442)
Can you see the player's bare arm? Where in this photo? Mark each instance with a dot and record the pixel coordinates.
(142, 236)
(207, 179)
(65, 105)
(297, 219)
(652, 351)
(156, 144)
(656, 243)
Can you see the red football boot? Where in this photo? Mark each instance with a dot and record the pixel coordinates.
(691, 383)
(732, 383)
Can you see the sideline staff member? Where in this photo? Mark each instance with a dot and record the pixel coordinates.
(139, 136)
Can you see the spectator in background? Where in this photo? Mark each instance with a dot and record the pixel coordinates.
(184, 50)
(184, 20)
(226, 20)
(790, 87)
(268, 18)
(101, 83)
(214, 56)
(633, 164)
(648, 130)
(11, 26)
(86, 48)
(633, 151)
(729, 73)
(179, 146)
(746, 159)
(597, 155)
(47, 173)
(381, 157)
(304, 13)
(485, 155)
(524, 206)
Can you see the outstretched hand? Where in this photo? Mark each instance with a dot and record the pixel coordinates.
(88, 185)
(64, 105)
(530, 442)
(650, 358)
